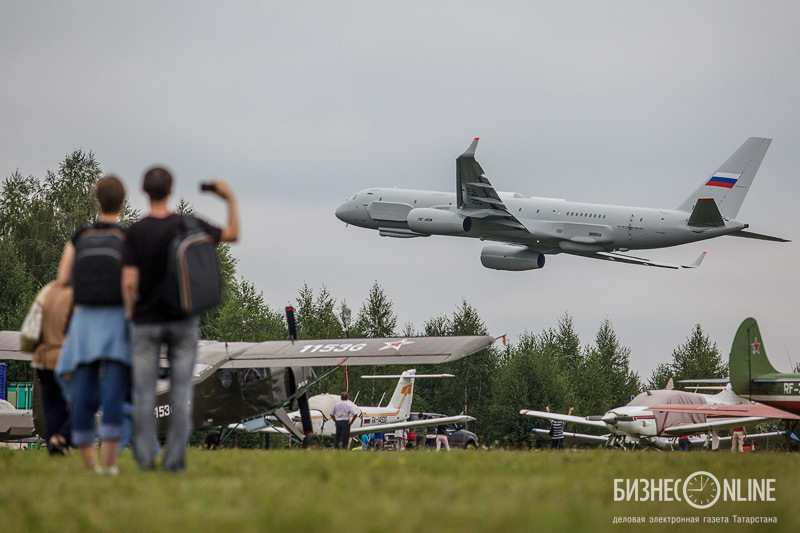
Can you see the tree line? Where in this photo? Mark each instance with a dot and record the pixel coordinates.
(551, 368)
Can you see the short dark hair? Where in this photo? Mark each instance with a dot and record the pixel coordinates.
(345, 396)
(157, 183)
(110, 193)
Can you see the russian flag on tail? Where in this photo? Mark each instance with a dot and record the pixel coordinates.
(722, 179)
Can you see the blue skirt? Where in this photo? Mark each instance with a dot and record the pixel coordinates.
(95, 333)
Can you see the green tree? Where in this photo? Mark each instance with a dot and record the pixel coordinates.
(530, 375)
(37, 217)
(697, 358)
(605, 379)
(376, 317)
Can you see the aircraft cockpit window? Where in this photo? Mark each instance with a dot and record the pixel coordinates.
(249, 375)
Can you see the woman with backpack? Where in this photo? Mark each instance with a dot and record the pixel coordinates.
(97, 340)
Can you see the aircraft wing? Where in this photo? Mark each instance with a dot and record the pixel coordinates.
(703, 427)
(475, 195)
(575, 437)
(9, 347)
(382, 428)
(565, 418)
(334, 352)
(742, 410)
(623, 258)
(778, 436)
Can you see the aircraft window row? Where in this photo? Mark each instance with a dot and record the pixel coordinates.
(586, 215)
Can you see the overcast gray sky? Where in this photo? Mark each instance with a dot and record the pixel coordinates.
(299, 105)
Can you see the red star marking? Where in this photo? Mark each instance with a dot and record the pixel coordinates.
(396, 345)
(756, 347)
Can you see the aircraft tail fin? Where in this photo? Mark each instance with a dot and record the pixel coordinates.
(728, 186)
(404, 392)
(748, 358)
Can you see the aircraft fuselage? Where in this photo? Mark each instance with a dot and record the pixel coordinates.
(552, 225)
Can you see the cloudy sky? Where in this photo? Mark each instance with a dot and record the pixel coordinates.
(299, 105)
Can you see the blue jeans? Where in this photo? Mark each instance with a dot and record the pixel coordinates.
(180, 339)
(89, 395)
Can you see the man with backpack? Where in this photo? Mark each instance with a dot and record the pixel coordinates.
(157, 321)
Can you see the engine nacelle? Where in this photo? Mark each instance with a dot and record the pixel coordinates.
(508, 257)
(438, 222)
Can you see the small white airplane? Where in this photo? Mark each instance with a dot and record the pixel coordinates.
(636, 425)
(372, 419)
(531, 228)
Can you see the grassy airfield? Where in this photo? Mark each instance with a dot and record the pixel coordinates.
(254, 490)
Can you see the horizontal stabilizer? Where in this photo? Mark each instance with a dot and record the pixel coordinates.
(759, 236)
(706, 214)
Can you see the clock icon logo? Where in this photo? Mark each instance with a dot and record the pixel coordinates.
(701, 490)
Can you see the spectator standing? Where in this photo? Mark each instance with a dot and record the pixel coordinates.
(737, 439)
(97, 341)
(56, 312)
(441, 437)
(156, 324)
(343, 415)
(557, 431)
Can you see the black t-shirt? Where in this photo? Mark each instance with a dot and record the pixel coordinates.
(146, 247)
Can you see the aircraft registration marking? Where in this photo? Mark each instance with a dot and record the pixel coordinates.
(791, 388)
(324, 348)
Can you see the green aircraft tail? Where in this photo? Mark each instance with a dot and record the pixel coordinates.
(748, 359)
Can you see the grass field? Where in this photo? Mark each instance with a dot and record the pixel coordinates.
(322, 490)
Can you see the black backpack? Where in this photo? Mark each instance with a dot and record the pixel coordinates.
(193, 283)
(97, 270)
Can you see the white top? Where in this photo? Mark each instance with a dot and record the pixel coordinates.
(343, 410)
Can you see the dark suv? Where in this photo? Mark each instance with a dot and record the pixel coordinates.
(457, 436)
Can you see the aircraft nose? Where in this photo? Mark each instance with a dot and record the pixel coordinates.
(609, 419)
(343, 212)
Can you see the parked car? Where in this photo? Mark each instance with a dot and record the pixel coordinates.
(457, 436)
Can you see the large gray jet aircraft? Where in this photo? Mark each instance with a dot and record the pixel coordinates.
(530, 228)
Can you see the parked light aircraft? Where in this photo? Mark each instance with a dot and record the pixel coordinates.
(250, 383)
(636, 424)
(531, 228)
(753, 377)
(373, 419)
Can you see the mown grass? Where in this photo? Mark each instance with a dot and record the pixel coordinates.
(322, 490)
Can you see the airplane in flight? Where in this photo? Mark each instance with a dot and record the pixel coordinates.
(637, 424)
(528, 229)
(372, 419)
(253, 384)
(772, 394)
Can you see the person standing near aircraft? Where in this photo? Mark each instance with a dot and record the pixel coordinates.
(557, 431)
(97, 339)
(56, 312)
(343, 415)
(156, 324)
(737, 439)
(378, 440)
(441, 437)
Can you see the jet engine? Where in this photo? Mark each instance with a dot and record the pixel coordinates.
(507, 257)
(438, 222)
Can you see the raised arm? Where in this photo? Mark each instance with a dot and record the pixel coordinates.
(230, 233)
